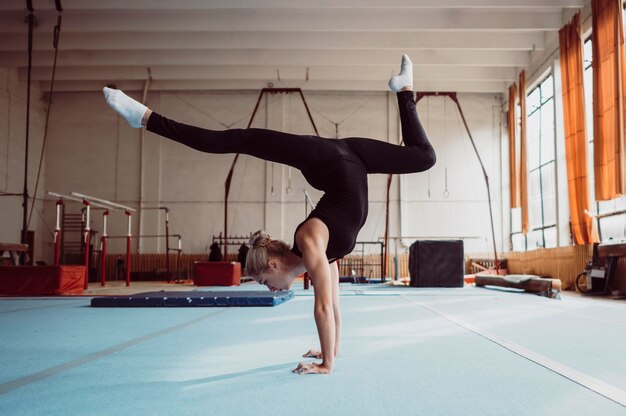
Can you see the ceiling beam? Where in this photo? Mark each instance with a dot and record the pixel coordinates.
(291, 20)
(274, 58)
(288, 4)
(268, 73)
(497, 87)
(281, 40)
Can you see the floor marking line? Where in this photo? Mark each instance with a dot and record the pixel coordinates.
(70, 365)
(582, 315)
(39, 307)
(613, 393)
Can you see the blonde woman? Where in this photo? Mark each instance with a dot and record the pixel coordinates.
(337, 167)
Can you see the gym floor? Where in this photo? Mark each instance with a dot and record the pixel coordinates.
(466, 351)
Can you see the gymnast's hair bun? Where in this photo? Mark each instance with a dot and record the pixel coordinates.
(260, 239)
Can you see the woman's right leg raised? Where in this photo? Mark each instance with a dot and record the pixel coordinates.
(273, 146)
(297, 151)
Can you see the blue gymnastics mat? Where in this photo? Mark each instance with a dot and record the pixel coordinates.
(202, 298)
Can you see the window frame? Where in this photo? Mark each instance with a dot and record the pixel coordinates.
(540, 168)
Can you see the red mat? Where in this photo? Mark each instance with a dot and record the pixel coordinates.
(42, 280)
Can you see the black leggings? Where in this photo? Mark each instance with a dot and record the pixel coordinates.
(303, 152)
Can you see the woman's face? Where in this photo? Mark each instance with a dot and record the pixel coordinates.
(275, 278)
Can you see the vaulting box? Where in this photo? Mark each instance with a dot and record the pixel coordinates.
(42, 280)
(435, 263)
(216, 273)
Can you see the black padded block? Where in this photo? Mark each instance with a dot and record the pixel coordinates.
(199, 298)
(437, 263)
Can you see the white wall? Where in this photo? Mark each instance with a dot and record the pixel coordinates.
(94, 152)
(12, 148)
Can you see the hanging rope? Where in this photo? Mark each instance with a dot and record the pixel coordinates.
(428, 129)
(55, 43)
(445, 192)
(31, 25)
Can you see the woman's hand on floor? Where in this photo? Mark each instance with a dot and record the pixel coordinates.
(313, 354)
(311, 368)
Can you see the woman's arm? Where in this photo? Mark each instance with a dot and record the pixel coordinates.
(334, 272)
(324, 310)
(312, 240)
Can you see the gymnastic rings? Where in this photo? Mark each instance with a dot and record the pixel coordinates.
(446, 193)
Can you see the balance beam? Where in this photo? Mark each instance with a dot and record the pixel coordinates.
(526, 282)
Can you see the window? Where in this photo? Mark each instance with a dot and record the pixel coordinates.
(518, 241)
(610, 215)
(541, 167)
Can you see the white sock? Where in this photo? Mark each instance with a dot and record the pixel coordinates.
(130, 109)
(405, 79)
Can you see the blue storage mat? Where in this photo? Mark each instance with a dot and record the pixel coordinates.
(194, 299)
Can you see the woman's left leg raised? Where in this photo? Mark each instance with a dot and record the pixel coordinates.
(417, 154)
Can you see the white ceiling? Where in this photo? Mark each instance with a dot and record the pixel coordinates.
(334, 45)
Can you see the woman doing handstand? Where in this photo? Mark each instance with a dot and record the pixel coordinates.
(337, 167)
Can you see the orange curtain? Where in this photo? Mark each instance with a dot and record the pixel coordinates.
(574, 120)
(608, 98)
(511, 121)
(523, 170)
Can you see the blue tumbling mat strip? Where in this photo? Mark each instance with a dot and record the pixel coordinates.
(202, 298)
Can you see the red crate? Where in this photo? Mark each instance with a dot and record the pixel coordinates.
(217, 273)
